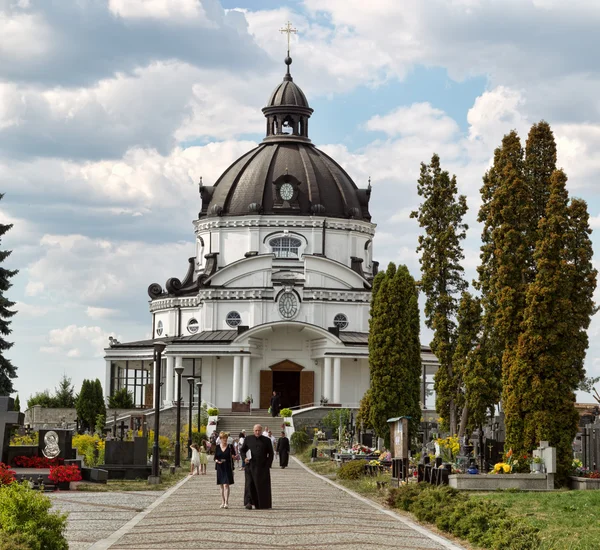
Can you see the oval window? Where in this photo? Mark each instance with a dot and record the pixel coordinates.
(159, 328)
(233, 319)
(193, 326)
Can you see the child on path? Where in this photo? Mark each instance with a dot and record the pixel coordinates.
(203, 458)
(195, 461)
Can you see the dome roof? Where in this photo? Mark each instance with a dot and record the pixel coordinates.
(251, 185)
(286, 174)
(288, 93)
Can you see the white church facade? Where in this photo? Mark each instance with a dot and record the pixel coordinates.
(277, 295)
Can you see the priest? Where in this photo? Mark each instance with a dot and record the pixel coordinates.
(283, 448)
(257, 454)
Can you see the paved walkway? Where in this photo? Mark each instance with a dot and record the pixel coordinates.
(308, 513)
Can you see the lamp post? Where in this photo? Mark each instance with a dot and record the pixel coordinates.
(155, 477)
(199, 386)
(178, 371)
(190, 408)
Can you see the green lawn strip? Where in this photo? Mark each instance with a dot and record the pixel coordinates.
(568, 520)
(167, 480)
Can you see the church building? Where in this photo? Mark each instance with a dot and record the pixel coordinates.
(277, 295)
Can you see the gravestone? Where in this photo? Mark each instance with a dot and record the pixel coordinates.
(9, 419)
(56, 443)
(126, 459)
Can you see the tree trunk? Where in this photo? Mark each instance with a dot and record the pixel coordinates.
(452, 419)
(463, 422)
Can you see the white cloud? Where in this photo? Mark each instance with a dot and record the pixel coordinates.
(101, 312)
(158, 9)
(30, 310)
(77, 341)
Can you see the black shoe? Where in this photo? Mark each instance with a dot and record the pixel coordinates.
(248, 506)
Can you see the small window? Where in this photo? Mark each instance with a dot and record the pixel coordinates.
(233, 319)
(193, 326)
(340, 321)
(159, 328)
(286, 247)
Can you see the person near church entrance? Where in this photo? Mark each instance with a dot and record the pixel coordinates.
(283, 448)
(195, 460)
(273, 441)
(257, 454)
(224, 457)
(275, 405)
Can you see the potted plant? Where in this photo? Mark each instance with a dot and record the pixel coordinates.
(62, 476)
(537, 465)
(285, 413)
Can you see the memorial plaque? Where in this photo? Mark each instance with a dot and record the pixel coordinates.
(56, 443)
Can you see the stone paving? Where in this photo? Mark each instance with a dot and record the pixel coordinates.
(95, 516)
(308, 513)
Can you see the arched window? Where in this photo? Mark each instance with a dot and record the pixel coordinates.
(288, 125)
(285, 247)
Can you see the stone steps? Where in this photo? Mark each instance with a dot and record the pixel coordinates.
(234, 424)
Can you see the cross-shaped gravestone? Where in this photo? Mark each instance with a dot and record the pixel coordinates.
(9, 418)
(122, 430)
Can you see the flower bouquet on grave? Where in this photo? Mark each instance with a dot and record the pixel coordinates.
(7, 476)
(64, 474)
(501, 468)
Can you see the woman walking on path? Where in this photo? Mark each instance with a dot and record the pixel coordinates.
(224, 457)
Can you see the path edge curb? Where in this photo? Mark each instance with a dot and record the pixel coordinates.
(105, 543)
(449, 545)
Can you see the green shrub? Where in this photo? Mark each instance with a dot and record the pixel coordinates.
(511, 533)
(285, 412)
(483, 523)
(13, 541)
(27, 512)
(353, 469)
(434, 502)
(299, 441)
(403, 496)
(213, 411)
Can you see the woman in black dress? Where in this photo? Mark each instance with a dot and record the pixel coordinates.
(224, 457)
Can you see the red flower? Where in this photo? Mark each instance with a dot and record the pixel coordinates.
(37, 462)
(7, 476)
(60, 474)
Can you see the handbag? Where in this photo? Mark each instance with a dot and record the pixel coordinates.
(269, 411)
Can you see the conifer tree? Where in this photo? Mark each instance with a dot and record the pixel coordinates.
(442, 281)
(64, 396)
(7, 370)
(395, 352)
(17, 404)
(90, 403)
(548, 367)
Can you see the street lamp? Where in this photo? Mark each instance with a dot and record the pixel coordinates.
(191, 404)
(199, 386)
(179, 371)
(155, 477)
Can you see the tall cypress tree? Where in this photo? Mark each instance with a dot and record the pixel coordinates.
(394, 352)
(7, 370)
(442, 280)
(543, 377)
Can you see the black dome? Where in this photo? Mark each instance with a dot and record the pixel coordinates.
(251, 184)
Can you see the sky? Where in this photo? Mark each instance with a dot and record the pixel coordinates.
(111, 110)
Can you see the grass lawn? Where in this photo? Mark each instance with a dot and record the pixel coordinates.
(167, 480)
(568, 520)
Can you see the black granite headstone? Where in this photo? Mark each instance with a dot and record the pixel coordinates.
(64, 440)
(9, 418)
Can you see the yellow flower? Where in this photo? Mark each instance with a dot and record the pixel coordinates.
(506, 468)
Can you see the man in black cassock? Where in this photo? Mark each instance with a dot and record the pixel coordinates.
(257, 491)
(275, 405)
(283, 448)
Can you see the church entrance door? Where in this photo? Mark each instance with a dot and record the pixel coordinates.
(290, 380)
(287, 385)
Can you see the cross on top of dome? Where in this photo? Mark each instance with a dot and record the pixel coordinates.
(287, 111)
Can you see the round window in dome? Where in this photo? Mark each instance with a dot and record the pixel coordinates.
(288, 305)
(159, 328)
(193, 326)
(340, 321)
(233, 319)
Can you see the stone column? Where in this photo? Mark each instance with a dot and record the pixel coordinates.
(237, 374)
(245, 377)
(327, 379)
(107, 380)
(169, 381)
(337, 379)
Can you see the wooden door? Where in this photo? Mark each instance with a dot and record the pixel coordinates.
(149, 396)
(266, 388)
(307, 387)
